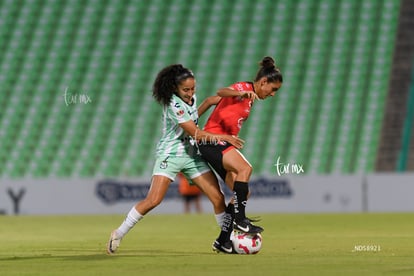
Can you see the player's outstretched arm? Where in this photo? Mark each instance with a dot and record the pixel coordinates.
(230, 92)
(207, 103)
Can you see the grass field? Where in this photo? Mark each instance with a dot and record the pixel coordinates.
(293, 244)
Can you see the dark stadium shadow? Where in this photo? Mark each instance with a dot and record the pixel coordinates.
(54, 257)
(102, 255)
(133, 254)
(158, 253)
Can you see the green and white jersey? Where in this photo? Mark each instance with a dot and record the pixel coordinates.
(174, 140)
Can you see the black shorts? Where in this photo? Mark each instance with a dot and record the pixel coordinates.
(213, 154)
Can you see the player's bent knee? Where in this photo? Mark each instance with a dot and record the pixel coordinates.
(245, 172)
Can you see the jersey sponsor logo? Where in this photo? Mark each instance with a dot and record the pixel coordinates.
(164, 164)
(191, 112)
(239, 86)
(240, 122)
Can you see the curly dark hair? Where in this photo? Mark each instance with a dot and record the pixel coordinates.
(167, 81)
(269, 70)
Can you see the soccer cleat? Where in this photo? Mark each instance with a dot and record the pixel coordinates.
(247, 227)
(254, 219)
(227, 247)
(113, 243)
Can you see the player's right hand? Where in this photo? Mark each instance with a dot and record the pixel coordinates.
(234, 140)
(250, 95)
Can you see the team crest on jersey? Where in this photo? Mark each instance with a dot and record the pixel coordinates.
(180, 112)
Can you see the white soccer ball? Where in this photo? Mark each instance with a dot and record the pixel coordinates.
(244, 243)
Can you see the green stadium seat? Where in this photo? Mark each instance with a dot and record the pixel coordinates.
(329, 51)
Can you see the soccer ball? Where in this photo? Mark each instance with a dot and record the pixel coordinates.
(244, 243)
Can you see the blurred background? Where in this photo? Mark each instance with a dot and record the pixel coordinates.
(76, 78)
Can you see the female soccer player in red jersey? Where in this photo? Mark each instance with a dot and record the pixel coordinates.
(233, 106)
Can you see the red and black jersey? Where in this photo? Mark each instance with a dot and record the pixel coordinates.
(230, 112)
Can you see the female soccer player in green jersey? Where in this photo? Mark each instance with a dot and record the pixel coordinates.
(174, 88)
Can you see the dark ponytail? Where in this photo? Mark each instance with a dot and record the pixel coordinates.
(269, 70)
(167, 81)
